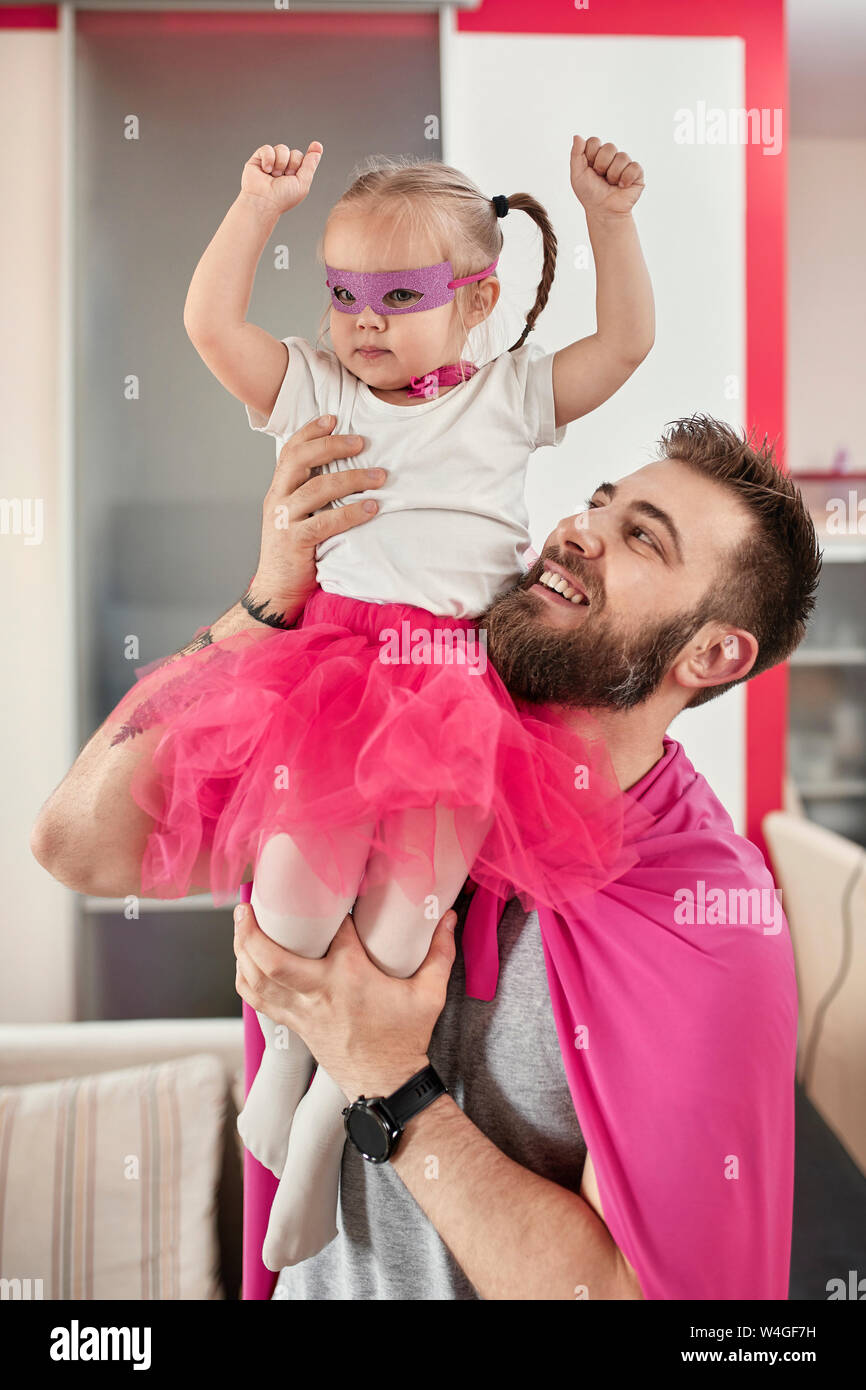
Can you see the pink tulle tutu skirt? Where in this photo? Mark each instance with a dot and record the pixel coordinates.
(346, 733)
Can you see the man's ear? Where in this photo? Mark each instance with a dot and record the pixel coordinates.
(715, 656)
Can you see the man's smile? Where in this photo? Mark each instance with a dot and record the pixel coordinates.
(558, 587)
(560, 581)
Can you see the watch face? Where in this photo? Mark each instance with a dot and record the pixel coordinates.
(367, 1133)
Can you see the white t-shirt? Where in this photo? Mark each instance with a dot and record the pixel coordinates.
(451, 530)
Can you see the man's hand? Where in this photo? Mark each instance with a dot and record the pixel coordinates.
(294, 523)
(368, 1030)
(605, 179)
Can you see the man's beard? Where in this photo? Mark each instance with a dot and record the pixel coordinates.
(590, 666)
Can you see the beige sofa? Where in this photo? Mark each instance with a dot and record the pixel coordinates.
(822, 877)
(179, 1083)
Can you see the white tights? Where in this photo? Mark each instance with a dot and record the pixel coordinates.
(294, 1128)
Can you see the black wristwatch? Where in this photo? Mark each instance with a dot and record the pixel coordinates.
(375, 1124)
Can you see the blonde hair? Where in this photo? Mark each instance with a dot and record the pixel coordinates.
(445, 203)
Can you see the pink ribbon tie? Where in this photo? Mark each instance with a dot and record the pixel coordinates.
(429, 384)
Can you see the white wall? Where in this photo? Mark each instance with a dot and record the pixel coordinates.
(511, 104)
(36, 918)
(826, 302)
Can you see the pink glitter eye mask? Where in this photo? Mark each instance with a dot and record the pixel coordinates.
(433, 285)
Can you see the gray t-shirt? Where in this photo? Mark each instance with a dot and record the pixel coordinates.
(502, 1063)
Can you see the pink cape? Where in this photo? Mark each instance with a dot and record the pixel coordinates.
(675, 1002)
(684, 1087)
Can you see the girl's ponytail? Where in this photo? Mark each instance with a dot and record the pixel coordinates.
(524, 202)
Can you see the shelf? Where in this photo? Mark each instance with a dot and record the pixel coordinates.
(841, 552)
(833, 789)
(830, 656)
(830, 476)
(200, 902)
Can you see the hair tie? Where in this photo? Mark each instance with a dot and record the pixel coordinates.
(500, 202)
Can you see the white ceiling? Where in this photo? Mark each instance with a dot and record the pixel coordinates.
(827, 61)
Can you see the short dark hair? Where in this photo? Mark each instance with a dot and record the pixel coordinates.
(768, 581)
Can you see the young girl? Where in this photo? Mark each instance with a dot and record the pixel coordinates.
(367, 758)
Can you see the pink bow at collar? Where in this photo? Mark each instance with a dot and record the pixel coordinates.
(429, 384)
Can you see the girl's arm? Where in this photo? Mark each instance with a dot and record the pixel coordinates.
(588, 372)
(249, 362)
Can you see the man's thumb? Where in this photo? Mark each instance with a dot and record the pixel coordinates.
(441, 954)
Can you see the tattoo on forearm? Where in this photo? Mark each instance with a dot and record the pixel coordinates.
(167, 700)
(259, 611)
(204, 639)
(157, 707)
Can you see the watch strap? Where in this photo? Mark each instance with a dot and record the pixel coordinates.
(419, 1091)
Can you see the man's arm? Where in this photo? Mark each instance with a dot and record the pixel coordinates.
(514, 1234)
(90, 834)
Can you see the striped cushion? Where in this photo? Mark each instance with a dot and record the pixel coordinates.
(108, 1183)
